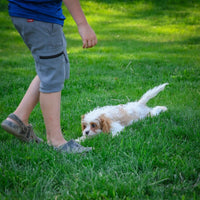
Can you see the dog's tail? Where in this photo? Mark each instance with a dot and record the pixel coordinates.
(152, 93)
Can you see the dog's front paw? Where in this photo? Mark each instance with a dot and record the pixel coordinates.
(80, 139)
(116, 128)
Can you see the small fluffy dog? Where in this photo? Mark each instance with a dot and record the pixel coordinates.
(113, 119)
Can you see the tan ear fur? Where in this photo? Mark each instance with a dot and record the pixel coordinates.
(82, 117)
(82, 126)
(105, 124)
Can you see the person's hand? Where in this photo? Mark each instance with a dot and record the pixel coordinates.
(88, 35)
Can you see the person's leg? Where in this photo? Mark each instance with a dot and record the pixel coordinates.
(50, 106)
(29, 101)
(17, 123)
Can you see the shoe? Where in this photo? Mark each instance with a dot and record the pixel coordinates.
(73, 147)
(20, 130)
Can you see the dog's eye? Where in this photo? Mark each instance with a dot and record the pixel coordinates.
(93, 125)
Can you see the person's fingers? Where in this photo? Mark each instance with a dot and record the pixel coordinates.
(84, 43)
(90, 43)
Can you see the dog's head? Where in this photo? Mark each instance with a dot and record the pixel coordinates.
(91, 127)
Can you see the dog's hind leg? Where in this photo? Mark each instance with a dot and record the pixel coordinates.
(157, 110)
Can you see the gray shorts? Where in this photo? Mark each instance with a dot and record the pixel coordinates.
(47, 44)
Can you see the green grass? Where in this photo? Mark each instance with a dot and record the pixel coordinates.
(141, 44)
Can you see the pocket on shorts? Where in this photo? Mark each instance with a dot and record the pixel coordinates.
(52, 70)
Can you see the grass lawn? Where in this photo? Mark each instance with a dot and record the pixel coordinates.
(141, 44)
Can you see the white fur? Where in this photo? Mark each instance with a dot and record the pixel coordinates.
(117, 117)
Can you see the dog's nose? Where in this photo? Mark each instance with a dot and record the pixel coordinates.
(87, 132)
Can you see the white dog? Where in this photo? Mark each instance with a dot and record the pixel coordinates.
(113, 119)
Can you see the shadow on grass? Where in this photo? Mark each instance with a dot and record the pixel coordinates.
(3, 5)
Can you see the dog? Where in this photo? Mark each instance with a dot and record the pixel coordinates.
(113, 119)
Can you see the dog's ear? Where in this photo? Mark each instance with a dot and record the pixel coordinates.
(82, 125)
(105, 124)
(82, 117)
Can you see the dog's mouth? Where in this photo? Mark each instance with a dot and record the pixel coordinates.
(90, 135)
(91, 132)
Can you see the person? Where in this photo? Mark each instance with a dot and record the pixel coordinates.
(40, 24)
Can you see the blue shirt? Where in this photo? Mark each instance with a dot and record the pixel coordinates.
(41, 10)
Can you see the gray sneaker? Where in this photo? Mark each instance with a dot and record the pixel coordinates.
(73, 147)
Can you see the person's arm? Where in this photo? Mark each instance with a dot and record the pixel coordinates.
(87, 34)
